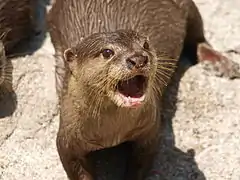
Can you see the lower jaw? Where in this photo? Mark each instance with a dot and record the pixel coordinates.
(128, 102)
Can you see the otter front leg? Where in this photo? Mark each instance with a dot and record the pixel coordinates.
(75, 170)
(74, 164)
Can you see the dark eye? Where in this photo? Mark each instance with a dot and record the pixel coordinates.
(146, 45)
(107, 53)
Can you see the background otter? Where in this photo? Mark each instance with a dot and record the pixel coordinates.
(16, 24)
(172, 27)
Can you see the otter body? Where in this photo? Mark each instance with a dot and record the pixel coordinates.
(113, 61)
(16, 21)
(15, 25)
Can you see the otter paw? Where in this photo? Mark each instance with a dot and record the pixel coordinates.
(216, 63)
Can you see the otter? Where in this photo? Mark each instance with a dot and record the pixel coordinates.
(113, 61)
(16, 24)
(5, 73)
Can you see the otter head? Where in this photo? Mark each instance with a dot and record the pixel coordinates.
(119, 66)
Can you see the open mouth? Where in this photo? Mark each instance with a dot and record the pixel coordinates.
(131, 92)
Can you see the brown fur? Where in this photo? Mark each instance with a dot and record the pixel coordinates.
(15, 21)
(15, 25)
(6, 72)
(90, 119)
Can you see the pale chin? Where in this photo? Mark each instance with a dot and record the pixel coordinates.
(128, 102)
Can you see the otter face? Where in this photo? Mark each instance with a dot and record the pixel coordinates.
(118, 65)
(133, 69)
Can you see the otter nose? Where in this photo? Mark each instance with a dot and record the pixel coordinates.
(137, 62)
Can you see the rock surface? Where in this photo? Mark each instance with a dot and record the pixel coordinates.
(207, 118)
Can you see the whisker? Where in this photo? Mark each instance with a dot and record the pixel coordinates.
(162, 74)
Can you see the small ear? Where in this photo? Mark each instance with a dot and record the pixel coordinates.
(69, 55)
(207, 53)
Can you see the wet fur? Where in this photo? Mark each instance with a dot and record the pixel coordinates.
(112, 19)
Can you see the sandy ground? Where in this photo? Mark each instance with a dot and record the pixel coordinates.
(207, 118)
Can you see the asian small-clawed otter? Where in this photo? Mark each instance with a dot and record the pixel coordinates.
(113, 61)
(16, 24)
